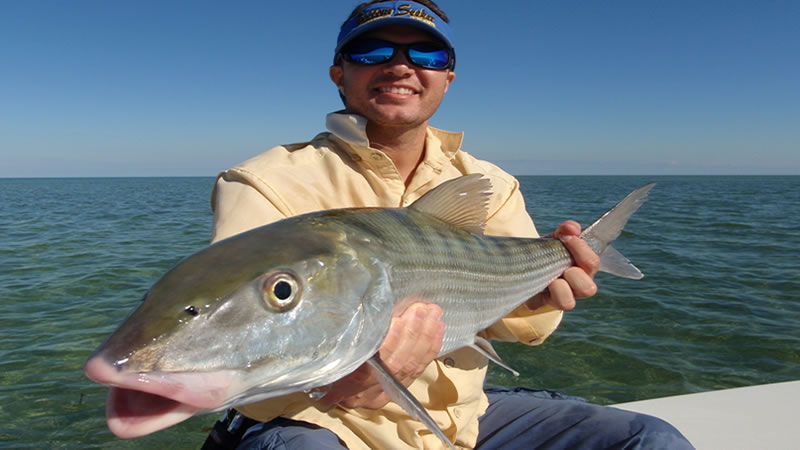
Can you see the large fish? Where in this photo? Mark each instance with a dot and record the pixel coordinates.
(300, 303)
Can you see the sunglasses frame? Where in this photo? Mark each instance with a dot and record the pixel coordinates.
(345, 55)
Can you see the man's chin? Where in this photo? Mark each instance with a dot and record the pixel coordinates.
(394, 116)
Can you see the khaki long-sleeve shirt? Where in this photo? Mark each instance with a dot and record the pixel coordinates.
(339, 169)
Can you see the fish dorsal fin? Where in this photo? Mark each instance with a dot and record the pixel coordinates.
(462, 202)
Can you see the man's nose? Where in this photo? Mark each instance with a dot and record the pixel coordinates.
(399, 62)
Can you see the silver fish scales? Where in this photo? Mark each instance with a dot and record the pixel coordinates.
(476, 279)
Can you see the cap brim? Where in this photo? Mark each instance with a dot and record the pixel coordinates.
(401, 21)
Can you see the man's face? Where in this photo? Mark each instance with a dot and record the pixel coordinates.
(396, 93)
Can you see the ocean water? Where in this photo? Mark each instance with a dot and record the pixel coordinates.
(719, 306)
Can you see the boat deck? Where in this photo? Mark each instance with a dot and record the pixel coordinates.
(755, 417)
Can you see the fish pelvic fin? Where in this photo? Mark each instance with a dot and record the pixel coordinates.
(485, 348)
(462, 202)
(608, 227)
(400, 395)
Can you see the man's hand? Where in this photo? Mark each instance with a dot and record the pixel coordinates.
(578, 280)
(414, 340)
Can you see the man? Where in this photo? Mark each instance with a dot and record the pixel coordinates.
(394, 62)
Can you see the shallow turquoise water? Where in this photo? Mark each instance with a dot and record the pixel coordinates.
(719, 306)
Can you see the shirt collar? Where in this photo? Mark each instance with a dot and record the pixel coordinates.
(352, 129)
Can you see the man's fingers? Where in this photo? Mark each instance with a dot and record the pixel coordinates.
(568, 232)
(581, 284)
(430, 342)
(566, 228)
(560, 295)
(417, 342)
(584, 256)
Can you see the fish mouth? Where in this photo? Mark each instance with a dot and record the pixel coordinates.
(141, 403)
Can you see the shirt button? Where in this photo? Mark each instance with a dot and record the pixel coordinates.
(457, 412)
(376, 156)
(355, 157)
(449, 362)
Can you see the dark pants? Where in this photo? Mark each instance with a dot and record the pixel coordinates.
(517, 418)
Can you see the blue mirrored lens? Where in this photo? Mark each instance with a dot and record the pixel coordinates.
(370, 54)
(427, 55)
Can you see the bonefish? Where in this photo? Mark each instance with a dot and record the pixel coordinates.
(300, 303)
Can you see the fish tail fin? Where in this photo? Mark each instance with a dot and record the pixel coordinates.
(608, 227)
(615, 263)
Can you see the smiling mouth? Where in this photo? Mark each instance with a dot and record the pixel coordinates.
(395, 90)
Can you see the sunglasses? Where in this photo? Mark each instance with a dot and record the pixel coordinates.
(428, 55)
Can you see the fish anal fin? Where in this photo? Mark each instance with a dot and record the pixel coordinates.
(400, 395)
(485, 348)
(462, 202)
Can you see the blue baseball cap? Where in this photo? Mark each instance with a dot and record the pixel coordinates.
(405, 13)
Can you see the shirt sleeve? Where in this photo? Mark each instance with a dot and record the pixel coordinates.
(239, 207)
(522, 324)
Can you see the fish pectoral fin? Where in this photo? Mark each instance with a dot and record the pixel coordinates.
(462, 202)
(400, 395)
(485, 348)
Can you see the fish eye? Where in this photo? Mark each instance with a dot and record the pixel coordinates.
(281, 291)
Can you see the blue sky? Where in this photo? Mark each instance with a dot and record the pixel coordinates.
(112, 88)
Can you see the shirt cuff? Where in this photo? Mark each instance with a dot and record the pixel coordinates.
(526, 326)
